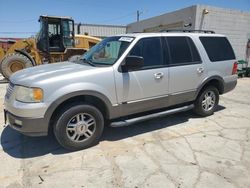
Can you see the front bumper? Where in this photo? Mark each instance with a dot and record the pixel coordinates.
(27, 126)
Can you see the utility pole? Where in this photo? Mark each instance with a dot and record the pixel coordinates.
(138, 13)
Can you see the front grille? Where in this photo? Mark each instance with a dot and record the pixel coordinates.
(9, 90)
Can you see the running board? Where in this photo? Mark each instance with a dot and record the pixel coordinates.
(128, 122)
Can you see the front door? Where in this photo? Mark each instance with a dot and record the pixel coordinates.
(146, 88)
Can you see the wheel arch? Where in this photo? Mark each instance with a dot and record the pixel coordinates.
(90, 97)
(215, 81)
(25, 53)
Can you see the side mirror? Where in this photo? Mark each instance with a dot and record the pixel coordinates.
(132, 63)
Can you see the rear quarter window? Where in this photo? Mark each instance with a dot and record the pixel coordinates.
(218, 48)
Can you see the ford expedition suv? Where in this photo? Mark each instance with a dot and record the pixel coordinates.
(120, 81)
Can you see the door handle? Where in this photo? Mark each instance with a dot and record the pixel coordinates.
(200, 70)
(158, 75)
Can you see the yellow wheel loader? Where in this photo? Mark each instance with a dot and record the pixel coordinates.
(55, 42)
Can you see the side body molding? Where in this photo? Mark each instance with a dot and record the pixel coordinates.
(112, 111)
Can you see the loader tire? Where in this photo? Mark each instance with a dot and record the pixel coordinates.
(14, 62)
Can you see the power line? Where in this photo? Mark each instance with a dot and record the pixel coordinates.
(17, 21)
(119, 18)
(16, 32)
(92, 4)
(139, 13)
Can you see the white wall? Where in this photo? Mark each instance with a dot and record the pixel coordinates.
(165, 21)
(234, 24)
(101, 30)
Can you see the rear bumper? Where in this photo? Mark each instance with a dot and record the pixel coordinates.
(27, 126)
(230, 85)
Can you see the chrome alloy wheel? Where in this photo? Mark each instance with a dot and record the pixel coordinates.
(208, 101)
(81, 127)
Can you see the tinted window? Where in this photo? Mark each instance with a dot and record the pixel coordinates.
(182, 50)
(195, 54)
(218, 48)
(150, 49)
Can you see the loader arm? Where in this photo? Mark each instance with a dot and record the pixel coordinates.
(28, 46)
(2, 53)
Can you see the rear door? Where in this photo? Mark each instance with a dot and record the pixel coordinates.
(186, 70)
(146, 88)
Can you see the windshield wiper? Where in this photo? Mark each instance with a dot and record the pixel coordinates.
(102, 63)
(88, 62)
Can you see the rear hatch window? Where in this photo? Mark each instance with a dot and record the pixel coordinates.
(218, 48)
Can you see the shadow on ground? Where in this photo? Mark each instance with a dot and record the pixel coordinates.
(3, 81)
(20, 146)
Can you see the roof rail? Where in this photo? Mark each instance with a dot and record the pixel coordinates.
(188, 31)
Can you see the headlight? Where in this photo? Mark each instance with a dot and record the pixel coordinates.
(29, 95)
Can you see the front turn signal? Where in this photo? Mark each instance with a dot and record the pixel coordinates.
(37, 94)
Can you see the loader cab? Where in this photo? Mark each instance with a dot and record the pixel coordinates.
(56, 34)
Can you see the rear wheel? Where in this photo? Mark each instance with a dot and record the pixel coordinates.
(79, 126)
(207, 101)
(13, 63)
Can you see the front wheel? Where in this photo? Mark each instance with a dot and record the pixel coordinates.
(207, 101)
(79, 127)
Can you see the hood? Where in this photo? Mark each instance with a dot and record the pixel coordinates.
(30, 76)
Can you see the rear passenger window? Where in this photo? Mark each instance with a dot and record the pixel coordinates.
(151, 51)
(195, 54)
(218, 48)
(182, 51)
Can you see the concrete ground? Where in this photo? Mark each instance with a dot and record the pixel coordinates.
(181, 150)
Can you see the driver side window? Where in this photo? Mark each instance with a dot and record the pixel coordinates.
(151, 51)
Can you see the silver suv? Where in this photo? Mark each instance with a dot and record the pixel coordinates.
(121, 81)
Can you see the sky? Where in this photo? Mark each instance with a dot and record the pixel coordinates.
(19, 18)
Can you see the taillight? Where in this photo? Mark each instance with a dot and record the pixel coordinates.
(235, 67)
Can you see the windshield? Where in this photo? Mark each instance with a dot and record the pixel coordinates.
(108, 51)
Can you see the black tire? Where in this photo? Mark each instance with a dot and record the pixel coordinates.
(14, 62)
(65, 119)
(206, 109)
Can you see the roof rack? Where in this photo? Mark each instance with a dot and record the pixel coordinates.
(188, 31)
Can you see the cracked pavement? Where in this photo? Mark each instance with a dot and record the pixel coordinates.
(181, 150)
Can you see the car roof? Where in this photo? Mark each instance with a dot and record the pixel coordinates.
(170, 34)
